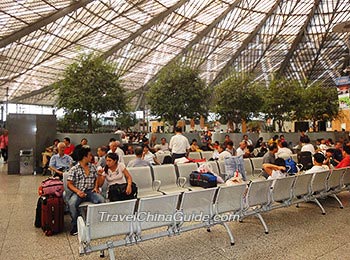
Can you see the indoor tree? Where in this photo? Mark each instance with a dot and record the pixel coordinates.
(90, 87)
(320, 103)
(282, 98)
(237, 99)
(178, 92)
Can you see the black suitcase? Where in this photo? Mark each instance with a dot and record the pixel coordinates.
(305, 158)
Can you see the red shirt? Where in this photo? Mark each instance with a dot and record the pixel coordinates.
(69, 149)
(344, 163)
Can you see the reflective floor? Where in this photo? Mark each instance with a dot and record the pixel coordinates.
(295, 233)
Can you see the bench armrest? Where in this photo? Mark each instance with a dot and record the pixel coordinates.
(181, 181)
(156, 185)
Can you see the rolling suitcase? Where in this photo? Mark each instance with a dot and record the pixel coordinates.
(52, 215)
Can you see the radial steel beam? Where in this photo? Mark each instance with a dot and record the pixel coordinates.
(143, 28)
(298, 39)
(244, 45)
(323, 41)
(42, 22)
(198, 38)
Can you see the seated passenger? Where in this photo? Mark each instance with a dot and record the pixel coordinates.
(115, 173)
(318, 160)
(283, 150)
(269, 158)
(230, 148)
(46, 156)
(242, 150)
(82, 181)
(194, 146)
(129, 150)
(223, 153)
(60, 162)
(276, 170)
(69, 146)
(138, 162)
(102, 152)
(74, 155)
(164, 146)
(308, 147)
(345, 162)
(148, 156)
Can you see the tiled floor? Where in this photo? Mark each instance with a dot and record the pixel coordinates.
(295, 233)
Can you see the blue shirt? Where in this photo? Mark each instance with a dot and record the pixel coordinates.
(59, 162)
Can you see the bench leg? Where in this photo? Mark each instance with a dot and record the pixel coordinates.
(263, 223)
(111, 250)
(232, 240)
(338, 200)
(320, 205)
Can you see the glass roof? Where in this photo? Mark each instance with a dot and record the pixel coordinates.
(294, 38)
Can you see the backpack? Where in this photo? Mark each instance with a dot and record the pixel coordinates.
(291, 166)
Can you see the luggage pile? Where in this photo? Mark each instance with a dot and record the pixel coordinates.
(50, 207)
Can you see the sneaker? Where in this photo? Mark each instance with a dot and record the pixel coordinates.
(74, 232)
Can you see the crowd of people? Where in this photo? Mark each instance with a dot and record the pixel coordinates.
(87, 172)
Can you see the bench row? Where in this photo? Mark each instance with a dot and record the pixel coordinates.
(202, 208)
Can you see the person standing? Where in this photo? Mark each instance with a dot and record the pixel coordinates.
(179, 145)
(4, 142)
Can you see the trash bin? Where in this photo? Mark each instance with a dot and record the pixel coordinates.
(26, 162)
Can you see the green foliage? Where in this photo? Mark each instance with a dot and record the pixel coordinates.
(320, 103)
(282, 100)
(178, 92)
(90, 87)
(126, 120)
(237, 98)
(345, 100)
(75, 122)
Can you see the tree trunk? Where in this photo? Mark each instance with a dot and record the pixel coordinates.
(174, 125)
(280, 125)
(315, 126)
(89, 123)
(230, 125)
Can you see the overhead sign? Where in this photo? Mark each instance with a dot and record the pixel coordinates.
(345, 80)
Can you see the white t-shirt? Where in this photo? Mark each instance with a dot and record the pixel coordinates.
(239, 151)
(164, 147)
(308, 148)
(317, 168)
(283, 150)
(223, 155)
(179, 144)
(117, 176)
(149, 157)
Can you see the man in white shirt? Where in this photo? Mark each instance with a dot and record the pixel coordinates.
(308, 147)
(114, 148)
(318, 160)
(241, 150)
(179, 145)
(223, 153)
(283, 150)
(247, 140)
(164, 146)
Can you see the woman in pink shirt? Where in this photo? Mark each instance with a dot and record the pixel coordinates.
(4, 142)
(346, 158)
